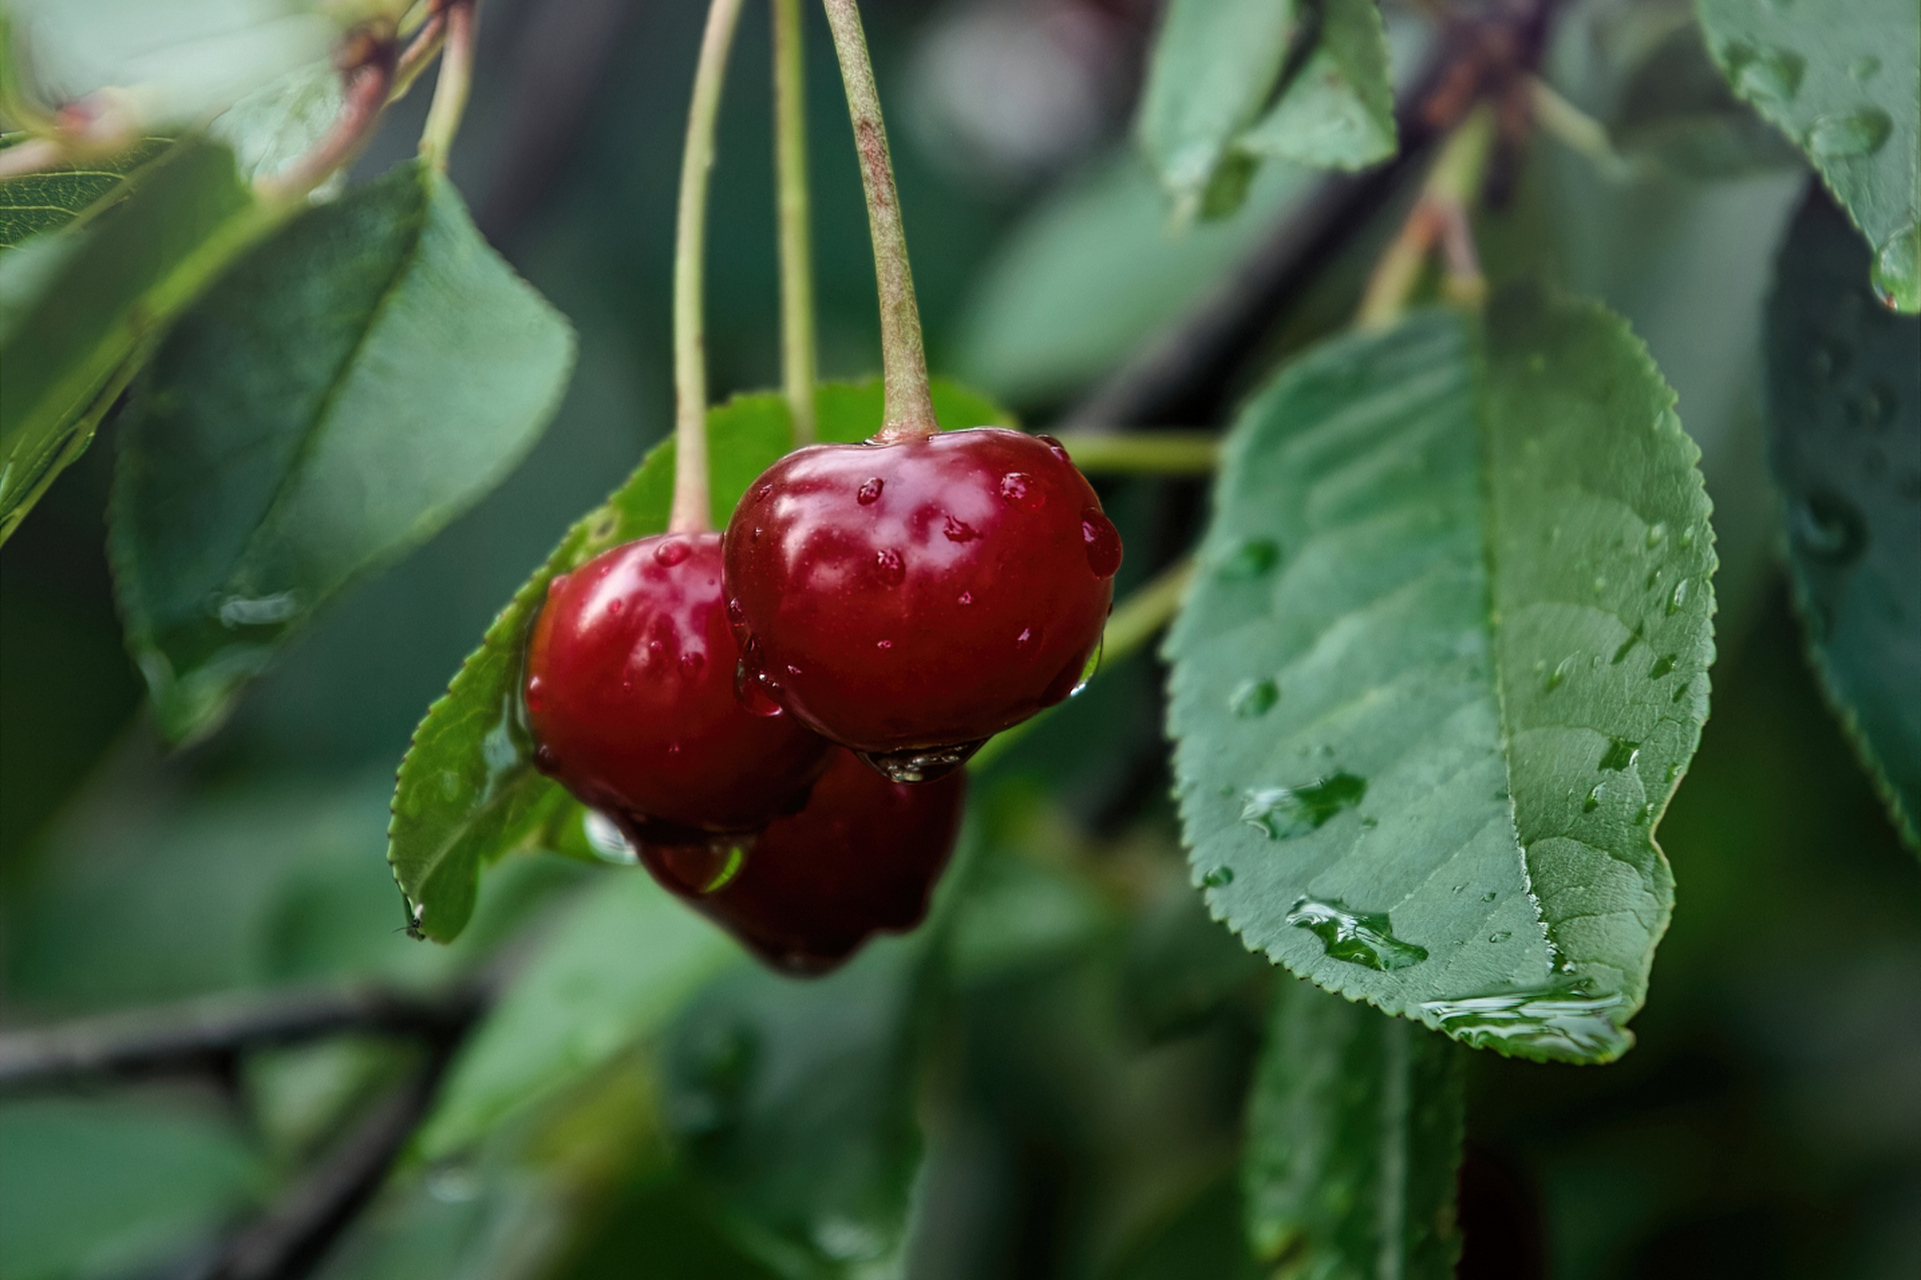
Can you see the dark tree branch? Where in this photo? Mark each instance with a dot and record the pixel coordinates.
(291, 1239)
(200, 1034)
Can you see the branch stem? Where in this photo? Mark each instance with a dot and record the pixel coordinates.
(799, 359)
(367, 68)
(1158, 453)
(909, 410)
(690, 510)
(1439, 217)
(452, 85)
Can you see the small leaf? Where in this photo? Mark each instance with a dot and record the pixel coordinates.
(1214, 64)
(97, 298)
(53, 198)
(1337, 111)
(1842, 79)
(617, 967)
(1473, 564)
(1844, 405)
(468, 791)
(352, 385)
(1354, 1130)
(795, 1103)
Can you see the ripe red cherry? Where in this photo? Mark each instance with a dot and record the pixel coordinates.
(862, 857)
(629, 691)
(911, 599)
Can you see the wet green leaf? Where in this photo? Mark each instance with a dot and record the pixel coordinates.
(1676, 110)
(352, 385)
(1354, 1132)
(613, 969)
(1842, 78)
(1844, 404)
(1337, 111)
(53, 198)
(468, 791)
(102, 1187)
(1213, 67)
(97, 299)
(794, 1102)
(1472, 560)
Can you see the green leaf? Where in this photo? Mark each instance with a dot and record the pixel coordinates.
(1337, 111)
(1354, 1130)
(1213, 66)
(618, 966)
(99, 299)
(468, 791)
(1677, 111)
(794, 1102)
(1093, 274)
(1442, 668)
(96, 1187)
(44, 201)
(280, 121)
(351, 386)
(1844, 405)
(1842, 78)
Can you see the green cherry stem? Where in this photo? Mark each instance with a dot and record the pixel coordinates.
(909, 409)
(690, 510)
(1156, 453)
(1134, 622)
(799, 360)
(1439, 216)
(451, 86)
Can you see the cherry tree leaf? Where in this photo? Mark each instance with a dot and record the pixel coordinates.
(1337, 111)
(52, 198)
(1443, 666)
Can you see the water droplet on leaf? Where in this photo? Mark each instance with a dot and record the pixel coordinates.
(1281, 813)
(1253, 698)
(1362, 938)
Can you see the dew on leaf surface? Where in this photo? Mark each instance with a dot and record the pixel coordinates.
(1620, 755)
(1362, 938)
(1830, 529)
(1593, 799)
(1852, 133)
(1766, 74)
(1218, 877)
(1897, 268)
(1555, 1022)
(1663, 665)
(1251, 559)
(1253, 698)
(1281, 813)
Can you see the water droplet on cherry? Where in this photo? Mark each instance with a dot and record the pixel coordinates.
(956, 531)
(735, 612)
(890, 567)
(534, 699)
(1102, 540)
(1021, 490)
(671, 551)
(692, 661)
(1060, 450)
(966, 597)
(869, 492)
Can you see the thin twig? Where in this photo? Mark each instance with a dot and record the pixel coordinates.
(690, 511)
(452, 85)
(909, 408)
(1439, 216)
(367, 65)
(187, 1037)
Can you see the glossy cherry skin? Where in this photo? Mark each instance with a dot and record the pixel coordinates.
(910, 600)
(629, 690)
(862, 857)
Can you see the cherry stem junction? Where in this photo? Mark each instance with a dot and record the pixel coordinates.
(799, 359)
(453, 84)
(690, 512)
(1439, 216)
(909, 408)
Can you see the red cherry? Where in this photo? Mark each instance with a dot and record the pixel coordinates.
(629, 691)
(863, 856)
(910, 600)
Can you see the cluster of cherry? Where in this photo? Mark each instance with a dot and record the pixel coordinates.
(776, 717)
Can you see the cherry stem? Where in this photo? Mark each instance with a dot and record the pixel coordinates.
(451, 86)
(1163, 453)
(909, 409)
(799, 358)
(422, 48)
(1439, 216)
(1134, 622)
(690, 510)
(366, 60)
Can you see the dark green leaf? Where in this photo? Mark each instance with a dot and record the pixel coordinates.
(1353, 1135)
(1214, 64)
(1337, 111)
(468, 791)
(1442, 668)
(1842, 78)
(103, 1187)
(1676, 109)
(1844, 402)
(795, 1103)
(616, 967)
(37, 202)
(98, 298)
(352, 385)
